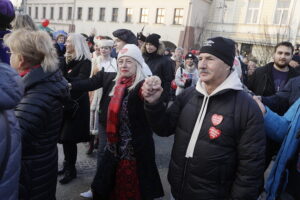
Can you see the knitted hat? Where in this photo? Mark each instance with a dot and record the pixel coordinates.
(153, 39)
(105, 43)
(7, 13)
(132, 51)
(126, 36)
(189, 55)
(223, 48)
(141, 37)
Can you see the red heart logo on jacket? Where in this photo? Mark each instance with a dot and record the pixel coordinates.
(216, 119)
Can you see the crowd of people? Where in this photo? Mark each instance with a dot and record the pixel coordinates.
(235, 125)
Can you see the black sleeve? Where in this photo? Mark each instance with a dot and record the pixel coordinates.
(251, 82)
(250, 152)
(164, 121)
(90, 84)
(279, 102)
(167, 73)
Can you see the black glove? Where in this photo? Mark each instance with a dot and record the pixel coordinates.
(188, 83)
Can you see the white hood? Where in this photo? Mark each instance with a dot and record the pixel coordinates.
(232, 82)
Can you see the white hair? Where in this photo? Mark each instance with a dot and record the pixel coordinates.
(139, 76)
(81, 47)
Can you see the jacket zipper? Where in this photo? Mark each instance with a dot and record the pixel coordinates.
(183, 179)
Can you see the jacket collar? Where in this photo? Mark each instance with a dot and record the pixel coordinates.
(232, 82)
(34, 76)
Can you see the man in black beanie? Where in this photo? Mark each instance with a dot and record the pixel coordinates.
(161, 66)
(219, 142)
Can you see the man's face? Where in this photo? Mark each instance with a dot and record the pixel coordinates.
(178, 54)
(212, 70)
(150, 48)
(251, 67)
(282, 56)
(119, 44)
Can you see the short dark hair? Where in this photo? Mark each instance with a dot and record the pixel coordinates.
(285, 43)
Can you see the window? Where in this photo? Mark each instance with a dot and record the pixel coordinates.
(69, 13)
(60, 16)
(252, 12)
(129, 12)
(281, 12)
(36, 12)
(90, 14)
(44, 12)
(29, 11)
(144, 15)
(51, 12)
(114, 16)
(102, 14)
(160, 15)
(79, 13)
(178, 16)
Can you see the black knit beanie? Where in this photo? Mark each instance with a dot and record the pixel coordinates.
(153, 39)
(223, 48)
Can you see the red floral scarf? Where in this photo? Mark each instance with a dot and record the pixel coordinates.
(114, 109)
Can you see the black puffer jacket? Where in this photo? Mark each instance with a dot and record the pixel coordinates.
(40, 117)
(230, 166)
(77, 129)
(261, 82)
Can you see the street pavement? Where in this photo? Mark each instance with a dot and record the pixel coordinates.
(86, 167)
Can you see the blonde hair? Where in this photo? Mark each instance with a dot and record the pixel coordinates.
(81, 47)
(139, 76)
(35, 46)
(23, 21)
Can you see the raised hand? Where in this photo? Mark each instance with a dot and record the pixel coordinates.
(151, 89)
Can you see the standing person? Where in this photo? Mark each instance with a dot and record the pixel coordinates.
(11, 90)
(284, 178)
(128, 169)
(161, 66)
(219, 142)
(187, 76)
(7, 14)
(40, 111)
(75, 129)
(97, 120)
(23, 21)
(252, 65)
(271, 78)
(125, 36)
(59, 45)
(178, 57)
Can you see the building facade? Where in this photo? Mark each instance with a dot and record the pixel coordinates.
(257, 25)
(171, 19)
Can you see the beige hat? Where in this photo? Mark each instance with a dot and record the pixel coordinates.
(104, 43)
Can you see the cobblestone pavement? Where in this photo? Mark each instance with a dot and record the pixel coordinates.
(86, 166)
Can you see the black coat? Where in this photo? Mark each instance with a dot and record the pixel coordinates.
(143, 144)
(162, 67)
(282, 100)
(103, 80)
(261, 82)
(40, 116)
(77, 129)
(228, 167)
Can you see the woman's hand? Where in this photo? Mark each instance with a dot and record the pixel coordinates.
(151, 89)
(260, 104)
